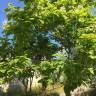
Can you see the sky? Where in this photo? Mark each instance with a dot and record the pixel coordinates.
(3, 5)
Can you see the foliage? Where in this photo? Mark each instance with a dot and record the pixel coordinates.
(68, 23)
(52, 71)
(19, 67)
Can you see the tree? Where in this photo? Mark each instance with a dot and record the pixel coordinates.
(70, 24)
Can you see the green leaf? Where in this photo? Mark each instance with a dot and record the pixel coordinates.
(91, 70)
(7, 9)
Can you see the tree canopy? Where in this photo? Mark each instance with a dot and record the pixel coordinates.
(40, 31)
